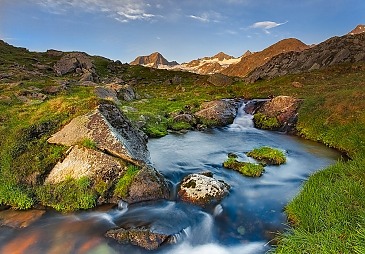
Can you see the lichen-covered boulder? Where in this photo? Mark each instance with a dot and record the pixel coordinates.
(202, 189)
(109, 130)
(81, 162)
(217, 113)
(140, 236)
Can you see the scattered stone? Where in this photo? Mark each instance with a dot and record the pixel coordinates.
(297, 84)
(107, 94)
(19, 219)
(219, 79)
(219, 113)
(140, 236)
(52, 90)
(88, 83)
(202, 189)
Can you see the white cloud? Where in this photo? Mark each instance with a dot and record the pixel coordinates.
(266, 25)
(207, 17)
(123, 11)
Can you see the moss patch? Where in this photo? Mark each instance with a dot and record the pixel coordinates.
(122, 187)
(245, 168)
(265, 122)
(268, 155)
(68, 195)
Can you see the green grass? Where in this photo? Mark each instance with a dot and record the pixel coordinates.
(326, 215)
(245, 168)
(264, 122)
(268, 155)
(122, 187)
(67, 196)
(88, 143)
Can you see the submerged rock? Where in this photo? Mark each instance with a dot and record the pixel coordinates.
(219, 113)
(202, 189)
(142, 237)
(19, 219)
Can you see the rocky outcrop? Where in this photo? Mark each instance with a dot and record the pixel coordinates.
(217, 113)
(148, 184)
(284, 109)
(202, 189)
(220, 80)
(345, 49)
(109, 130)
(103, 143)
(358, 30)
(252, 61)
(141, 236)
(76, 62)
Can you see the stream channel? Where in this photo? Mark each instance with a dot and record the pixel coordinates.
(244, 222)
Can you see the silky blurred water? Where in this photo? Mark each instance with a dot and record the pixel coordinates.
(244, 222)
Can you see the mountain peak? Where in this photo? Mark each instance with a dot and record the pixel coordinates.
(358, 30)
(222, 56)
(153, 60)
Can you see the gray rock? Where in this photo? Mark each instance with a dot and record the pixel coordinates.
(220, 80)
(106, 93)
(202, 189)
(220, 113)
(110, 130)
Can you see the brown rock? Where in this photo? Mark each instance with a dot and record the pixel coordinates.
(297, 84)
(148, 184)
(284, 108)
(220, 80)
(142, 237)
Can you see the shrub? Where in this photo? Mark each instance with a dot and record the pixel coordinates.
(265, 122)
(268, 155)
(15, 195)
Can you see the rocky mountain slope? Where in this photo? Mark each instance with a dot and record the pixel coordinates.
(155, 60)
(257, 59)
(210, 65)
(336, 50)
(358, 30)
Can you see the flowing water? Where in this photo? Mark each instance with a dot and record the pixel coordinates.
(244, 222)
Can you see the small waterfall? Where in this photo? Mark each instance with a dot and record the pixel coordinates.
(242, 121)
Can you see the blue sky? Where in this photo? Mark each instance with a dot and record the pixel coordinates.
(181, 30)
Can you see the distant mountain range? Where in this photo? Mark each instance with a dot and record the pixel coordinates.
(245, 64)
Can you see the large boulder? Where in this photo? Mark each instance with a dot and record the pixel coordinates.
(202, 189)
(109, 130)
(103, 146)
(141, 236)
(284, 109)
(219, 113)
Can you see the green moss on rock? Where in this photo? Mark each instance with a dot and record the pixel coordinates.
(245, 168)
(268, 155)
(265, 122)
